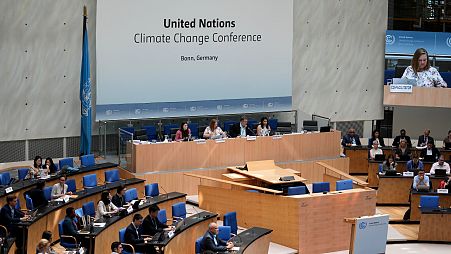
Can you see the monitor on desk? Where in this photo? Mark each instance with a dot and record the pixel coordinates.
(440, 172)
(379, 157)
(429, 158)
(391, 173)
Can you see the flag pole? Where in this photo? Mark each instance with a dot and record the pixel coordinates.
(85, 11)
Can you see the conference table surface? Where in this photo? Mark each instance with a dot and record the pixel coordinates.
(94, 232)
(48, 217)
(270, 176)
(373, 170)
(250, 240)
(25, 185)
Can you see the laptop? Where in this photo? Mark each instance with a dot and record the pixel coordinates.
(440, 172)
(324, 129)
(379, 157)
(391, 173)
(422, 188)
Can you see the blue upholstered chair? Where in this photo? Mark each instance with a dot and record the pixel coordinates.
(112, 176)
(79, 212)
(128, 248)
(227, 125)
(296, 190)
(429, 202)
(230, 220)
(321, 187)
(88, 160)
(162, 217)
(151, 132)
(65, 240)
(22, 173)
(179, 210)
(273, 123)
(380, 168)
(18, 207)
(224, 233)
(199, 245)
(48, 192)
(389, 74)
(90, 181)
(5, 178)
(29, 202)
(344, 185)
(66, 161)
(151, 190)
(89, 209)
(130, 194)
(71, 185)
(194, 127)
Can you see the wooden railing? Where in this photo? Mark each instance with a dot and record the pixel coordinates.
(253, 187)
(341, 175)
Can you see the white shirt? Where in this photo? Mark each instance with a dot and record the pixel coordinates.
(426, 78)
(102, 209)
(216, 132)
(373, 152)
(57, 190)
(437, 166)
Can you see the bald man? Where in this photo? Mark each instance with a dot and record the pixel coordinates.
(211, 242)
(351, 139)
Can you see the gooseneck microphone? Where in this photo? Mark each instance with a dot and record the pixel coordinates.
(167, 194)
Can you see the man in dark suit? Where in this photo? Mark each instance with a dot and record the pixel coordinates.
(430, 153)
(118, 199)
(133, 235)
(151, 225)
(351, 139)
(423, 140)
(398, 139)
(241, 129)
(38, 196)
(10, 216)
(211, 241)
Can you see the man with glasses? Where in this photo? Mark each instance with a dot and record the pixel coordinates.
(351, 139)
(60, 189)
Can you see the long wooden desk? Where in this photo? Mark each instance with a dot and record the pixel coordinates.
(420, 97)
(435, 225)
(235, 151)
(415, 213)
(254, 240)
(373, 170)
(395, 190)
(48, 217)
(311, 223)
(101, 238)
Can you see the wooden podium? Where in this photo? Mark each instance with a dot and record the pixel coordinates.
(368, 234)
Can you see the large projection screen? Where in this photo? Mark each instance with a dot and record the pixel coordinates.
(187, 58)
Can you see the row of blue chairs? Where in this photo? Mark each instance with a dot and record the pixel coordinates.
(320, 187)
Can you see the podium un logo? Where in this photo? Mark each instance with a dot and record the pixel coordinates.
(448, 42)
(389, 39)
(362, 225)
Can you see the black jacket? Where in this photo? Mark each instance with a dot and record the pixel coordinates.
(38, 197)
(208, 244)
(118, 201)
(69, 227)
(422, 140)
(6, 218)
(435, 154)
(398, 139)
(131, 236)
(152, 226)
(235, 131)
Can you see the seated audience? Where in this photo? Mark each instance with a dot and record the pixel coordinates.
(402, 135)
(211, 241)
(151, 225)
(70, 224)
(116, 248)
(50, 166)
(133, 235)
(38, 196)
(430, 153)
(422, 71)
(447, 141)
(213, 130)
(35, 171)
(44, 247)
(47, 235)
(414, 165)
(424, 139)
(389, 164)
(351, 139)
(105, 207)
(263, 129)
(60, 189)
(118, 199)
(241, 129)
(184, 133)
(440, 164)
(402, 153)
(375, 150)
(420, 179)
(376, 137)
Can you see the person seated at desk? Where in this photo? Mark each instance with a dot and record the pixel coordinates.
(375, 136)
(430, 153)
(241, 129)
(70, 225)
(425, 139)
(440, 164)
(263, 129)
(118, 198)
(420, 179)
(375, 150)
(35, 171)
(37, 195)
(133, 235)
(60, 189)
(447, 141)
(116, 248)
(105, 207)
(414, 165)
(447, 184)
(213, 130)
(10, 216)
(211, 241)
(184, 133)
(421, 70)
(50, 165)
(151, 225)
(351, 139)
(402, 153)
(48, 236)
(398, 139)
(389, 164)
(44, 247)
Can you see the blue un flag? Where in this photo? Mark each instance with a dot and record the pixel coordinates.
(85, 95)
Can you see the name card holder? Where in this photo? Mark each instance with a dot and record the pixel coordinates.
(200, 141)
(9, 190)
(220, 140)
(407, 173)
(251, 138)
(442, 191)
(277, 137)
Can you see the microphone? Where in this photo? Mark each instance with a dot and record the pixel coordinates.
(253, 133)
(197, 212)
(167, 195)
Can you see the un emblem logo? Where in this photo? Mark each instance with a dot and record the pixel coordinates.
(448, 42)
(362, 225)
(390, 39)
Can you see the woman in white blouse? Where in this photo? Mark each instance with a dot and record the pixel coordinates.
(263, 129)
(375, 150)
(422, 71)
(105, 206)
(213, 130)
